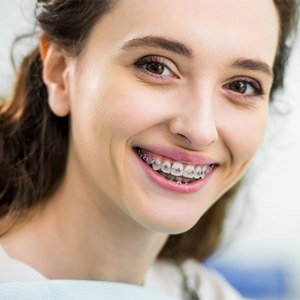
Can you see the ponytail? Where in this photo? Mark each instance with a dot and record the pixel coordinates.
(33, 144)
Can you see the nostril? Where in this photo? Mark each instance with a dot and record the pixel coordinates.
(183, 137)
(194, 133)
(189, 142)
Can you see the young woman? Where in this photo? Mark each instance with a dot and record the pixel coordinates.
(129, 130)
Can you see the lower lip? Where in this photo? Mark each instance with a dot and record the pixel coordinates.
(173, 186)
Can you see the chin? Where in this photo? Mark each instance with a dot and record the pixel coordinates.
(176, 223)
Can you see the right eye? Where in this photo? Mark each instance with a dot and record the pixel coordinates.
(155, 66)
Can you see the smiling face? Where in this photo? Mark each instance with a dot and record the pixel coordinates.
(168, 105)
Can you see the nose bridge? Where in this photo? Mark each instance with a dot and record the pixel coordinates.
(195, 120)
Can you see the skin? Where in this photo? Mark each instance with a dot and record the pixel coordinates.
(107, 216)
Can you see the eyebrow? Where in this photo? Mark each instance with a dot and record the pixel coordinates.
(181, 49)
(161, 43)
(254, 65)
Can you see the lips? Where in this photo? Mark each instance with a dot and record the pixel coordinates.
(190, 170)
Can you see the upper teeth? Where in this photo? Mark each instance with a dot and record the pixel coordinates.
(189, 171)
(166, 167)
(176, 168)
(156, 164)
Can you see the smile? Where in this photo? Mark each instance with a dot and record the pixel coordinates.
(176, 171)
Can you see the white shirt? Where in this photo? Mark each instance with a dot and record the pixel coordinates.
(162, 277)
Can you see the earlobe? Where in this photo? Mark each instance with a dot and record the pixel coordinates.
(56, 77)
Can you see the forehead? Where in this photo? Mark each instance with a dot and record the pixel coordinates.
(247, 26)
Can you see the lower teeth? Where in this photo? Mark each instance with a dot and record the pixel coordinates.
(179, 180)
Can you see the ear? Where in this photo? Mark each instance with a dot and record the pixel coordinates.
(56, 77)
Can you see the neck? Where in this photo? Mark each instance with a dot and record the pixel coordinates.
(77, 239)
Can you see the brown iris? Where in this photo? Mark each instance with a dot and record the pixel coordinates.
(238, 87)
(155, 68)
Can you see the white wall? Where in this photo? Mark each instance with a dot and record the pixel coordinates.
(16, 17)
(271, 219)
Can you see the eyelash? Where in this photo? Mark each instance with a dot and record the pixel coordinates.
(141, 66)
(258, 91)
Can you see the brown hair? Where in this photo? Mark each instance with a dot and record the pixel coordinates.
(34, 142)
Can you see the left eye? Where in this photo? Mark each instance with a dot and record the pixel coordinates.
(245, 88)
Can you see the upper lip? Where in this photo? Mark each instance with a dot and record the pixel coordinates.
(179, 155)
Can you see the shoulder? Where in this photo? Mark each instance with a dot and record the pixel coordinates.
(14, 270)
(208, 284)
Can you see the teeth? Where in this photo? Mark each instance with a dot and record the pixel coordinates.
(171, 177)
(198, 173)
(166, 167)
(149, 161)
(176, 172)
(178, 180)
(189, 171)
(146, 159)
(186, 180)
(177, 169)
(205, 171)
(156, 164)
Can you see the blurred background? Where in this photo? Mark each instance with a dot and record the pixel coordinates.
(260, 254)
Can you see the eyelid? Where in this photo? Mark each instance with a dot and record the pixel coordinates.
(254, 82)
(167, 63)
(248, 79)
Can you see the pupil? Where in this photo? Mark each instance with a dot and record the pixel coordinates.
(155, 68)
(239, 87)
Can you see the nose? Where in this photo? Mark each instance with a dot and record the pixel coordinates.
(194, 125)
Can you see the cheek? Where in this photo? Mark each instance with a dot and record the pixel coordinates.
(132, 109)
(117, 102)
(244, 131)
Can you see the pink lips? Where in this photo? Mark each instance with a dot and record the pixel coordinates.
(180, 156)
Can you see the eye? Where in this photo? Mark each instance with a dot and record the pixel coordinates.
(242, 87)
(156, 66)
(245, 87)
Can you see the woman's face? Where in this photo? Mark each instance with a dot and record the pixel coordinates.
(168, 105)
